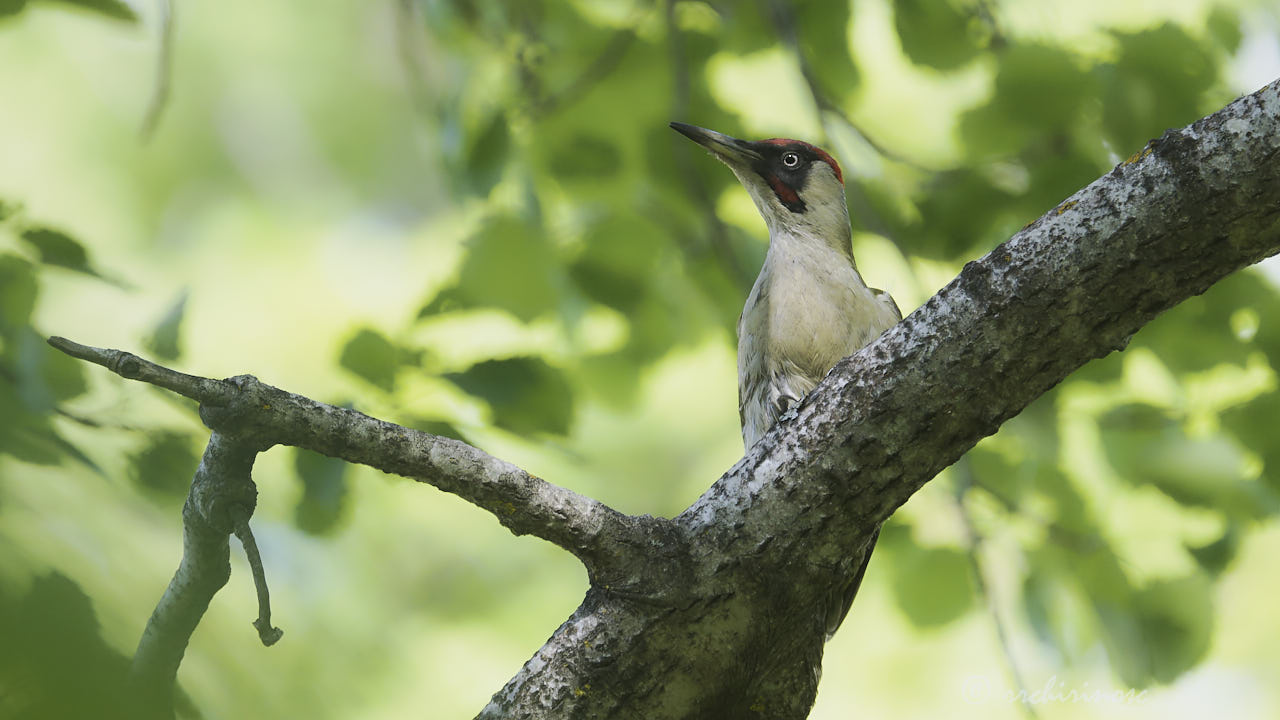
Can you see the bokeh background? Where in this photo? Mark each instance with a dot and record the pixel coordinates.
(470, 217)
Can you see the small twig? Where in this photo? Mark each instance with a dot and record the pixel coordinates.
(129, 366)
(164, 71)
(269, 635)
(973, 539)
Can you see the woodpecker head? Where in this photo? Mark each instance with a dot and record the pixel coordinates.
(797, 187)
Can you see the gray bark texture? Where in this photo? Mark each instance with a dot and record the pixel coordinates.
(718, 612)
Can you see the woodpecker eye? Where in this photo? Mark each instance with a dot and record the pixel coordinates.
(790, 159)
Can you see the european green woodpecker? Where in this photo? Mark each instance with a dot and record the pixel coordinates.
(809, 307)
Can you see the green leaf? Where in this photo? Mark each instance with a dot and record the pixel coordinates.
(62, 374)
(822, 30)
(960, 211)
(437, 427)
(935, 33)
(32, 438)
(1214, 557)
(510, 266)
(164, 341)
(58, 248)
(18, 289)
(586, 156)
(447, 300)
(324, 492)
(1156, 82)
(9, 209)
(370, 355)
(1163, 632)
(1055, 178)
(114, 9)
(44, 375)
(1177, 620)
(1224, 27)
(933, 586)
(9, 8)
(1254, 425)
(487, 155)
(1198, 334)
(1042, 86)
(611, 378)
(54, 660)
(165, 465)
(526, 394)
(619, 256)
(1147, 447)
(1055, 612)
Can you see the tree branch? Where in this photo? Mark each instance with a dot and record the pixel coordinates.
(220, 491)
(263, 416)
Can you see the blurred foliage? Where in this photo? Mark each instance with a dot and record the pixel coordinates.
(114, 9)
(576, 249)
(54, 663)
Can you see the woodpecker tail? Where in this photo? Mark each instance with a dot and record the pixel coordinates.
(842, 600)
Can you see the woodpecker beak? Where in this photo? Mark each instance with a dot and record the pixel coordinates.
(732, 151)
